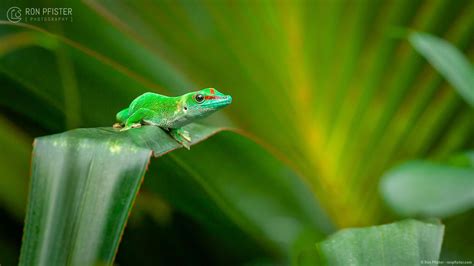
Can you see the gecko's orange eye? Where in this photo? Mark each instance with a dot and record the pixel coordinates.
(199, 98)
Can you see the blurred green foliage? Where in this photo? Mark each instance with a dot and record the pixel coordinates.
(328, 87)
(381, 245)
(429, 189)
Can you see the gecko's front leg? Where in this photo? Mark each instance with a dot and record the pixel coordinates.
(181, 136)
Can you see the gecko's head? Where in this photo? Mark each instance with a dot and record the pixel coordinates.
(205, 102)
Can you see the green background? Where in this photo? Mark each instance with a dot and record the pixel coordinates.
(332, 89)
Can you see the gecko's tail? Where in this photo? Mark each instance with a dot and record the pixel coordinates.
(122, 116)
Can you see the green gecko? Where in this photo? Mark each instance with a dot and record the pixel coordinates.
(171, 113)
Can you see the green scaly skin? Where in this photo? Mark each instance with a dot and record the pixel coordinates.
(172, 113)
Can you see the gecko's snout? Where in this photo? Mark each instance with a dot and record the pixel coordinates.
(228, 98)
(218, 102)
(225, 100)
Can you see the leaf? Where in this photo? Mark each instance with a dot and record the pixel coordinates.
(408, 242)
(84, 182)
(83, 185)
(231, 178)
(429, 189)
(449, 61)
(337, 86)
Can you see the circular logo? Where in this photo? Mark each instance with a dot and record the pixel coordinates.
(14, 14)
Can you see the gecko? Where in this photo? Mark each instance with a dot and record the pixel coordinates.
(171, 113)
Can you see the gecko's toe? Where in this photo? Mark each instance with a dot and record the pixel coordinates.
(186, 145)
(186, 136)
(137, 125)
(182, 137)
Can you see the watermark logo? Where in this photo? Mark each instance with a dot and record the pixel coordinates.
(39, 14)
(14, 14)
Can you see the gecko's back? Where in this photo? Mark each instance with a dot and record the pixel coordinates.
(153, 101)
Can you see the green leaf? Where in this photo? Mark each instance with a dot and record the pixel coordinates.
(83, 185)
(231, 178)
(449, 61)
(430, 189)
(337, 86)
(408, 242)
(84, 182)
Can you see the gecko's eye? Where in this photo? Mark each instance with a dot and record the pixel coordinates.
(199, 98)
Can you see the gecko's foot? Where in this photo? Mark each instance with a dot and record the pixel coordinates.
(117, 125)
(185, 135)
(181, 136)
(136, 125)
